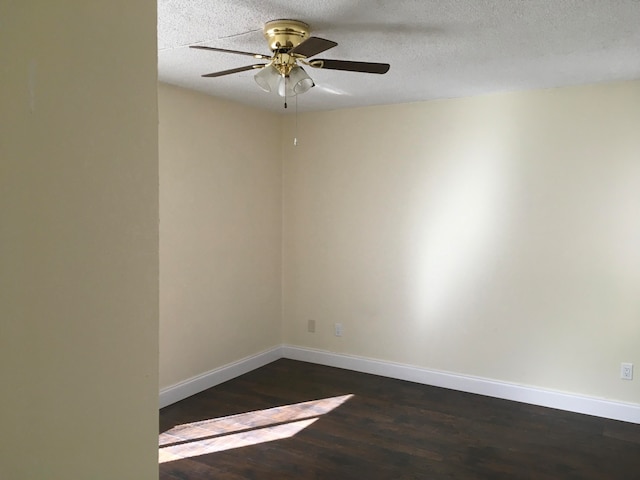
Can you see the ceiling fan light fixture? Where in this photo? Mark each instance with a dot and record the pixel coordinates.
(268, 78)
(297, 82)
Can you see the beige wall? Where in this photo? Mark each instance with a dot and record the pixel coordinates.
(494, 236)
(79, 240)
(220, 233)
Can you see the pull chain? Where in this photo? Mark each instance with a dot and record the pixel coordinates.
(295, 128)
(285, 91)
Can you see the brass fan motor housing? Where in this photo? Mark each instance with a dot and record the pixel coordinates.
(285, 34)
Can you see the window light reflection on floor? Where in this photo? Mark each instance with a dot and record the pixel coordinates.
(244, 429)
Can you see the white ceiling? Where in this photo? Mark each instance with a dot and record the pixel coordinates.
(436, 48)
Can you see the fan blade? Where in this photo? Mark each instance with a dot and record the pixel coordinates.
(364, 67)
(254, 55)
(234, 70)
(312, 46)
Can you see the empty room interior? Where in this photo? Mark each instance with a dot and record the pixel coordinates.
(460, 233)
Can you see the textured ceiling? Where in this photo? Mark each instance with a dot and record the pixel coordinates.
(436, 48)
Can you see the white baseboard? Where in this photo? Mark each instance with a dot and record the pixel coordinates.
(199, 383)
(627, 412)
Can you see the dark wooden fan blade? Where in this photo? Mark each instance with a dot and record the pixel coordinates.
(364, 67)
(312, 46)
(238, 52)
(234, 70)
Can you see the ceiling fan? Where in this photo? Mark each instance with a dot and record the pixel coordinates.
(290, 45)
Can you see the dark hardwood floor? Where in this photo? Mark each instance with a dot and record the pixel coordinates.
(337, 424)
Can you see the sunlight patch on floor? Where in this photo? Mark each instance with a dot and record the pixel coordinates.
(244, 429)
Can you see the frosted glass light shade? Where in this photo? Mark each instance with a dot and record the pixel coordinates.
(300, 81)
(285, 87)
(268, 78)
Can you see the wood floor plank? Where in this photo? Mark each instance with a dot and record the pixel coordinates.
(388, 429)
